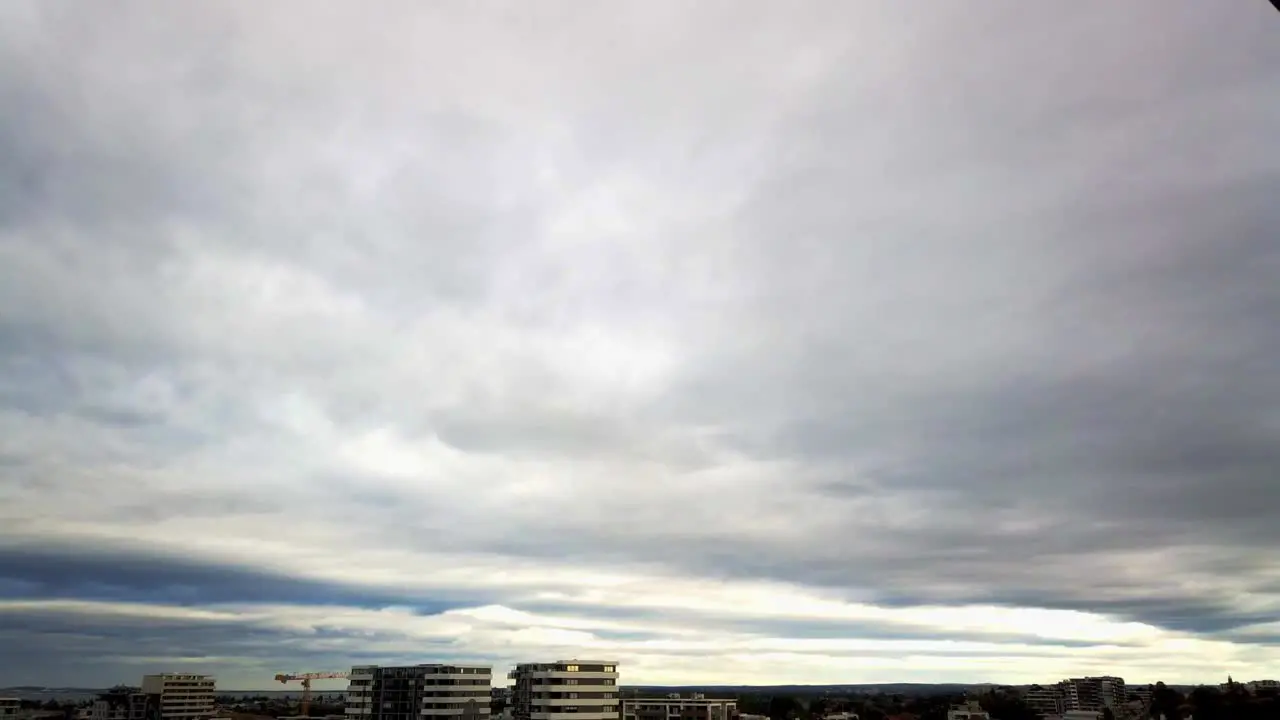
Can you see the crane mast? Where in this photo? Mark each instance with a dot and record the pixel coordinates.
(305, 679)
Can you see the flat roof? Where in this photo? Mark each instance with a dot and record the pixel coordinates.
(679, 699)
(418, 665)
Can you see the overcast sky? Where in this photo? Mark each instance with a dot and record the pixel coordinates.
(738, 342)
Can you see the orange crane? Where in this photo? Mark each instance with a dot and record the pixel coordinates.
(306, 679)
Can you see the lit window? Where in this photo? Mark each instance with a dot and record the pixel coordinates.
(571, 668)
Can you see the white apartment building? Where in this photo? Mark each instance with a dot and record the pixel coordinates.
(9, 707)
(566, 690)
(1093, 693)
(419, 692)
(181, 696)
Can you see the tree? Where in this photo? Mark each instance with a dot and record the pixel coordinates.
(1166, 701)
(783, 707)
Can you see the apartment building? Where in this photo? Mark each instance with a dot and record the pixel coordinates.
(419, 692)
(1045, 700)
(9, 707)
(695, 706)
(1093, 693)
(124, 703)
(179, 696)
(566, 690)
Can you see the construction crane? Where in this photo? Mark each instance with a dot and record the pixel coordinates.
(306, 678)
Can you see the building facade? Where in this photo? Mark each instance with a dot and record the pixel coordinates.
(180, 696)
(1044, 700)
(674, 707)
(1093, 693)
(566, 690)
(419, 692)
(9, 707)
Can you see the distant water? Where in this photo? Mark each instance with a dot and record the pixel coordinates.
(61, 695)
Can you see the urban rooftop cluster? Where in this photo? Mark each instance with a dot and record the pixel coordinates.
(568, 690)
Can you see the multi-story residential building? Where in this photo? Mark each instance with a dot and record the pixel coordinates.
(9, 707)
(1093, 693)
(500, 703)
(180, 696)
(419, 692)
(1044, 700)
(125, 703)
(566, 690)
(674, 707)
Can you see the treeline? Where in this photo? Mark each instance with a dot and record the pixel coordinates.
(1209, 703)
(1002, 705)
(263, 706)
(67, 709)
(1203, 703)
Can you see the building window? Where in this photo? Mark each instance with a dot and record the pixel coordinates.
(608, 668)
(571, 668)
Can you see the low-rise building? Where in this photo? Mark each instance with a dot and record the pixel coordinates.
(9, 707)
(970, 710)
(1266, 686)
(695, 706)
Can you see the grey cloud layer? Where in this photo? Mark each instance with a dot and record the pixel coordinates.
(940, 306)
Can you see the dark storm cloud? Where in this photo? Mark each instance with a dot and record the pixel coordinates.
(36, 574)
(103, 650)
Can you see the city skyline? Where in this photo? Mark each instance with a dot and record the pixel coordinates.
(737, 342)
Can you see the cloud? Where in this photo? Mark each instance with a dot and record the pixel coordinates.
(891, 344)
